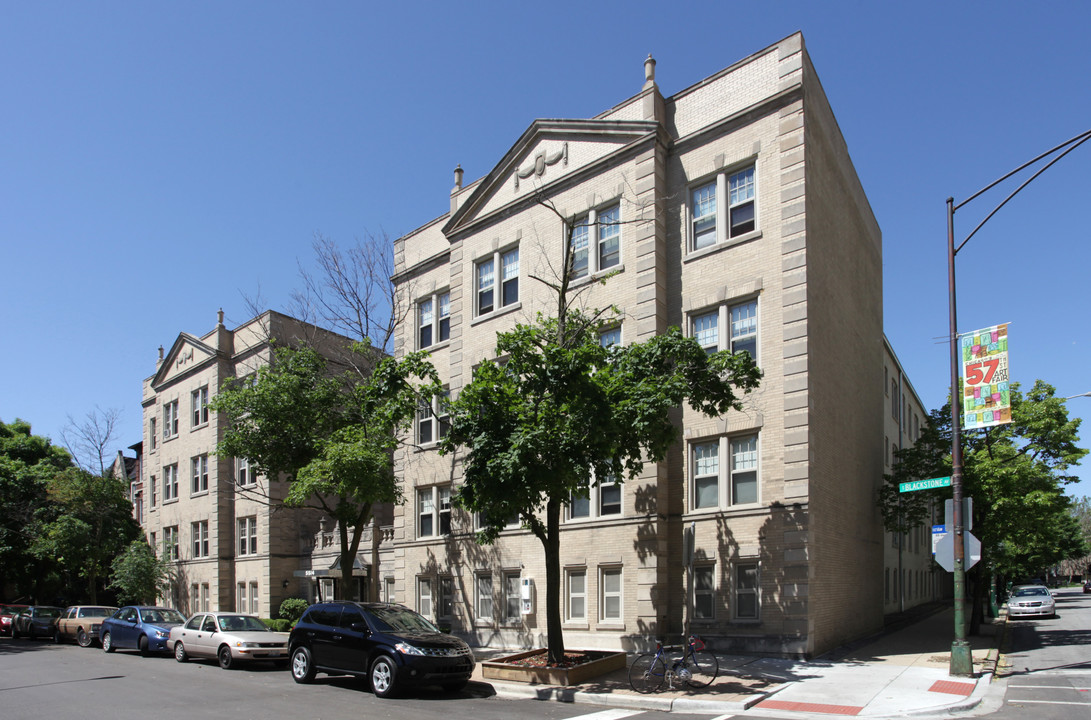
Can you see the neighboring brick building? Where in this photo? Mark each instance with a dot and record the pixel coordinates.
(215, 519)
(731, 209)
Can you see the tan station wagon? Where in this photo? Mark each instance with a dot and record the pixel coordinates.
(81, 623)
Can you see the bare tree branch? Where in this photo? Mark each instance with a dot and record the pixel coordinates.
(88, 440)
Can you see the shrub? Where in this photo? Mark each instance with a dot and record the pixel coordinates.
(292, 609)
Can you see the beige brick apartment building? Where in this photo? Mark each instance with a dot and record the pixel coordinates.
(731, 209)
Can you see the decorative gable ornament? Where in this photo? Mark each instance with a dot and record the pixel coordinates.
(541, 162)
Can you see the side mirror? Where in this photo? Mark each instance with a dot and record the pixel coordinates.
(360, 627)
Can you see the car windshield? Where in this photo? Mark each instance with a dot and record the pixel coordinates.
(241, 623)
(397, 619)
(163, 615)
(49, 612)
(1031, 591)
(96, 612)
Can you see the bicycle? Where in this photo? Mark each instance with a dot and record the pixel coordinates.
(697, 667)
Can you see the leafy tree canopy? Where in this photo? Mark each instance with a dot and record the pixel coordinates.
(138, 575)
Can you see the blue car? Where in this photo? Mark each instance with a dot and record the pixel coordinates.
(139, 627)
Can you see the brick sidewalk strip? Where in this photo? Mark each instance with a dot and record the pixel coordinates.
(809, 707)
(952, 688)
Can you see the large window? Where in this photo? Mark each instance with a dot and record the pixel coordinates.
(734, 190)
(199, 467)
(720, 483)
(170, 419)
(599, 500)
(728, 327)
(747, 598)
(512, 612)
(576, 594)
(170, 482)
(610, 595)
(434, 320)
(604, 226)
(199, 406)
(483, 596)
(199, 532)
(434, 511)
(433, 420)
(248, 535)
(490, 297)
(170, 542)
(244, 474)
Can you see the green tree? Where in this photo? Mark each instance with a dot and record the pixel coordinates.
(92, 524)
(332, 437)
(1015, 473)
(138, 575)
(28, 464)
(560, 412)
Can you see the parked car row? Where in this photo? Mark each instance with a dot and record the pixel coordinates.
(391, 646)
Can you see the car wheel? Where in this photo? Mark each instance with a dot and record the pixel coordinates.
(142, 644)
(224, 656)
(82, 638)
(302, 665)
(180, 652)
(383, 676)
(107, 642)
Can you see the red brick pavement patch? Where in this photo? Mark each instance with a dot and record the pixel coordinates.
(952, 688)
(809, 707)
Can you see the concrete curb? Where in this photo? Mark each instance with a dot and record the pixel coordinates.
(623, 700)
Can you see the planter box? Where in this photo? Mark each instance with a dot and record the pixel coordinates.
(504, 668)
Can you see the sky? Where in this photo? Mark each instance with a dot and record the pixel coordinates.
(160, 161)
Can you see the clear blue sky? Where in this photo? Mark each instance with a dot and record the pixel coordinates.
(159, 161)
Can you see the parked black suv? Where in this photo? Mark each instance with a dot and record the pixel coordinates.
(389, 644)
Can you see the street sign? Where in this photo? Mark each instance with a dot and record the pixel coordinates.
(967, 513)
(945, 551)
(938, 531)
(925, 484)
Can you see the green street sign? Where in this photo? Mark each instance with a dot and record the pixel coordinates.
(925, 484)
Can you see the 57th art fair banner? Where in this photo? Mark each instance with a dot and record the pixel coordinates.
(986, 400)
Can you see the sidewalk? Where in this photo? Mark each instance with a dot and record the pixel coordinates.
(900, 672)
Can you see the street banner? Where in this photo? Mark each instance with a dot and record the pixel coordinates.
(986, 400)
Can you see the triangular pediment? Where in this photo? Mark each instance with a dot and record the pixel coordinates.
(548, 152)
(185, 355)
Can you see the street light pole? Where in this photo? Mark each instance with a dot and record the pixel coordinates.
(961, 657)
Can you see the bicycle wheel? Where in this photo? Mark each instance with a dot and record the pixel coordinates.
(702, 667)
(646, 673)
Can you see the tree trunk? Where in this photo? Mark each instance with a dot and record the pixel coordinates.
(552, 542)
(349, 548)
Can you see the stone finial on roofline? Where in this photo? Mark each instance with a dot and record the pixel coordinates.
(649, 72)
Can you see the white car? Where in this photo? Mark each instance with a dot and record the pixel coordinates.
(229, 637)
(1027, 600)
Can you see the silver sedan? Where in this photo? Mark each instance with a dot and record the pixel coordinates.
(229, 638)
(1031, 600)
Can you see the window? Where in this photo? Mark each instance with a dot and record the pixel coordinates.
(195, 598)
(483, 596)
(424, 596)
(170, 542)
(487, 298)
(433, 420)
(736, 190)
(253, 598)
(170, 419)
(610, 592)
(388, 590)
(607, 234)
(580, 234)
(512, 612)
(611, 337)
(153, 433)
(434, 511)
(704, 592)
(199, 531)
(248, 536)
(609, 239)
(741, 323)
(204, 597)
(244, 476)
(710, 486)
(199, 406)
(609, 497)
(576, 600)
(155, 491)
(746, 591)
(170, 482)
(200, 474)
(240, 597)
(596, 501)
(434, 320)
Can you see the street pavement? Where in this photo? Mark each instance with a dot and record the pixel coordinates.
(902, 671)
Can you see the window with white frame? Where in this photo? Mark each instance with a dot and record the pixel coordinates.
(170, 542)
(728, 327)
(433, 320)
(433, 420)
(170, 419)
(598, 500)
(610, 594)
(483, 596)
(747, 600)
(610, 337)
(491, 294)
(240, 597)
(424, 596)
(576, 594)
(153, 433)
(153, 483)
(199, 474)
(434, 511)
(244, 474)
(581, 234)
(199, 533)
(512, 612)
(609, 237)
(195, 598)
(248, 535)
(253, 598)
(205, 597)
(199, 406)
(170, 482)
(720, 483)
(389, 592)
(704, 592)
(604, 226)
(736, 192)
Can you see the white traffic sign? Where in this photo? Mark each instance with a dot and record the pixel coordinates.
(945, 551)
